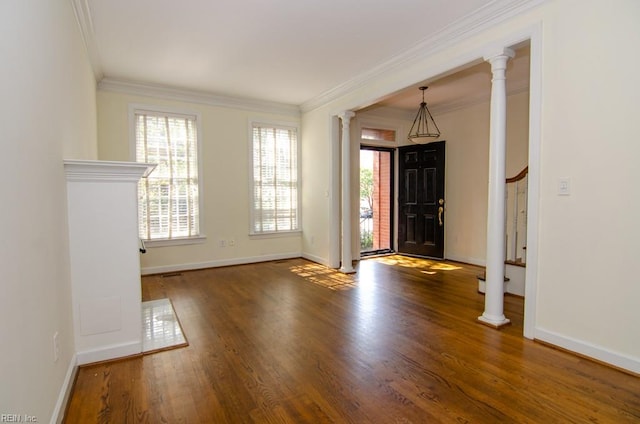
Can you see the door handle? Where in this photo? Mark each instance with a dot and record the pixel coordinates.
(440, 210)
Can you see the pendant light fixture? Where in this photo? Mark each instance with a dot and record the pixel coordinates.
(424, 128)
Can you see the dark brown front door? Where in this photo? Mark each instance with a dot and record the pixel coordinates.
(421, 200)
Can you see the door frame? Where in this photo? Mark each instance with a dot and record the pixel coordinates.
(392, 199)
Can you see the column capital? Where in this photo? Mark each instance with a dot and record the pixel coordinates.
(503, 53)
(346, 116)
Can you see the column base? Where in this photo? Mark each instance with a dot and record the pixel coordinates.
(346, 270)
(493, 323)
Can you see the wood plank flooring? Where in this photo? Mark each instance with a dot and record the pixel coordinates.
(398, 342)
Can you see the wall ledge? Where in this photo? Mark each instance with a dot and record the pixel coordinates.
(96, 170)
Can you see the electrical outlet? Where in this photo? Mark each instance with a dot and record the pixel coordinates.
(232, 242)
(56, 347)
(222, 243)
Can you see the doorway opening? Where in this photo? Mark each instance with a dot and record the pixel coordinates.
(376, 200)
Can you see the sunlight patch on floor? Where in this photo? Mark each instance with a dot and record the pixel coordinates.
(427, 266)
(325, 277)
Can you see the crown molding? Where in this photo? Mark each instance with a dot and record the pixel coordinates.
(472, 24)
(200, 97)
(85, 24)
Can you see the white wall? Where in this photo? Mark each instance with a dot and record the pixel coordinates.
(467, 172)
(466, 182)
(584, 291)
(317, 189)
(225, 185)
(47, 113)
(588, 291)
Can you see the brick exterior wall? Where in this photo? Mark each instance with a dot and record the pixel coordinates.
(382, 200)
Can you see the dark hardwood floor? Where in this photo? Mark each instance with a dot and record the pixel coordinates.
(398, 342)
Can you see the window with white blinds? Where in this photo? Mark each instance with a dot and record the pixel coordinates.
(275, 194)
(168, 199)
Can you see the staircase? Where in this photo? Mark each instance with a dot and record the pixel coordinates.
(515, 243)
(513, 279)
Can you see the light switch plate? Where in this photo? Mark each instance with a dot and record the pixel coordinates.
(564, 187)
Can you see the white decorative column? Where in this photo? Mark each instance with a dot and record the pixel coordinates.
(335, 226)
(347, 260)
(493, 314)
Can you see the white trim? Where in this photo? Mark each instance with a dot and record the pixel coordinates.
(599, 353)
(275, 234)
(120, 350)
(97, 170)
(316, 259)
(474, 23)
(65, 392)
(334, 194)
(533, 181)
(198, 97)
(178, 241)
(85, 25)
(219, 263)
(466, 259)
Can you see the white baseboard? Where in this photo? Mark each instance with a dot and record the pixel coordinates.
(465, 259)
(316, 259)
(65, 392)
(218, 263)
(590, 350)
(109, 352)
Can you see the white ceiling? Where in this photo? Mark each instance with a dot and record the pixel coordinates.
(279, 50)
(460, 88)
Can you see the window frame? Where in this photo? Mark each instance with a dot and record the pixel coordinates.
(172, 111)
(288, 125)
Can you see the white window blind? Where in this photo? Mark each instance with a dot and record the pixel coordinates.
(168, 198)
(275, 179)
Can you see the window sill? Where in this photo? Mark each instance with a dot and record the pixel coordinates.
(279, 234)
(176, 241)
